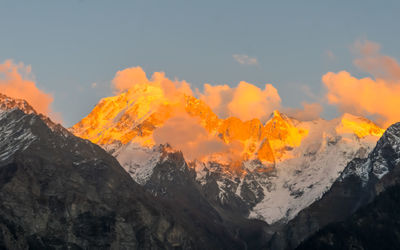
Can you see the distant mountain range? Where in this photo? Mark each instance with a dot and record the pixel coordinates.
(268, 185)
(280, 168)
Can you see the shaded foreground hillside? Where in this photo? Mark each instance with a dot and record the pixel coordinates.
(376, 226)
(58, 191)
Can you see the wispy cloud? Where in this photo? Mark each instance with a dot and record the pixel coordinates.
(245, 59)
(17, 81)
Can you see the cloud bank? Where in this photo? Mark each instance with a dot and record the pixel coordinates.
(129, 78)
(16, 81)
(184, 132)
(377, 96)
(245, 101)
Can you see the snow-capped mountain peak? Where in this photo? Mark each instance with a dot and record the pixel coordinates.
(284, 164)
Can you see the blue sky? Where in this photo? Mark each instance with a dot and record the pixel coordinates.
(73, 44)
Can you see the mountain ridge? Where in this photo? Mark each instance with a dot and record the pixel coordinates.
(134, 115)
(261, 182)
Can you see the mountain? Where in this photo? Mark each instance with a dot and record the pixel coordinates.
(271, 171)
(58, 191)
(359, 203)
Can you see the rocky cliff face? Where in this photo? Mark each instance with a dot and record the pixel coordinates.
(58, 191)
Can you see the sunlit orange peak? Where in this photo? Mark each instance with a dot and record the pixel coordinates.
(134, 115)
(282, 133)
(360, 126)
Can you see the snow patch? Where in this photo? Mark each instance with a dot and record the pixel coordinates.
(138, 161)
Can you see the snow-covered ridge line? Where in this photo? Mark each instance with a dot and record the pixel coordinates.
(285, 164)
(283, 189)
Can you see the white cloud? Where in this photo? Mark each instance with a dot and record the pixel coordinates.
(245, 59)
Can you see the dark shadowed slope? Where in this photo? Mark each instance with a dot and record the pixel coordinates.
(376, 226)
(58, 191)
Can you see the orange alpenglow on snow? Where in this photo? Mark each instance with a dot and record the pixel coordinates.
(159, 111)
(360, 126)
